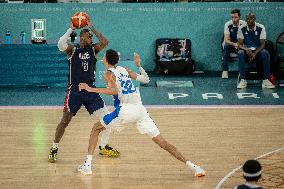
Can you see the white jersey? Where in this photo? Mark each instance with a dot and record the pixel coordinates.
(127, 92)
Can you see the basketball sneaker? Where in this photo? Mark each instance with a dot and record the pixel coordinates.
(267, 84)
(242, 84)
(52, 157)
(225, 75)
(109, 151)
(85, 169)
(199, 172)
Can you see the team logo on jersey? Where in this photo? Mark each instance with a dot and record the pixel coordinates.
(84, 56)
(256, 33)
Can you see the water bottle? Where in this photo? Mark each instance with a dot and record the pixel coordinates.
(8, 37)
(23, 37)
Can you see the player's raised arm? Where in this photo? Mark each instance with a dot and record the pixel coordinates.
(62, 44)
(143, 76)
(103, 42)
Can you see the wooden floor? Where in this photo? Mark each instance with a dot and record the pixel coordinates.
(219, 140)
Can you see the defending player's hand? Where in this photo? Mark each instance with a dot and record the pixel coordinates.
(137, 59)
(84, 86)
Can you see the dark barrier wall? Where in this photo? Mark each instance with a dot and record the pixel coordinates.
(135, 27)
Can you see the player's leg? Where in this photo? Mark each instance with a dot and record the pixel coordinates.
(96, 104)
(107, 121)
(60, 129)
(147, 125)
(178, 155)
(72, 104)
(86, 167)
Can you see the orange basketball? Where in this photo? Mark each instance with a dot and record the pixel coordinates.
(79, 19)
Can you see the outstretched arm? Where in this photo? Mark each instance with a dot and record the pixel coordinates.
(103, 42)
(62, 44)
(110, 90)
(143, 76)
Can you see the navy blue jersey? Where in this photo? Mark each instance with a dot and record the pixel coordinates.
(232, 30)
(247, 186)
(252, 37)
(82, 66)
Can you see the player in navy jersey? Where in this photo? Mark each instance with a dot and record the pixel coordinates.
(128, 109)
(82, 60)
(252, 173)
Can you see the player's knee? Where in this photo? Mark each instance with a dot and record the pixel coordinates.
(96, 128)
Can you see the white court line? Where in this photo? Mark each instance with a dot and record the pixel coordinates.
(155, 106)
(238, 168)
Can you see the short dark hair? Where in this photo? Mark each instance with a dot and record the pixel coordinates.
(236, 11)
(84, 31)
(250, 14)
(252, 170)
(112, 56)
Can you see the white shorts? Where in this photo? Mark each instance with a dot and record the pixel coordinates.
(131, 113)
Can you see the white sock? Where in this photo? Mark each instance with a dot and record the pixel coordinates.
(55, 145)
(191, 165)
(89, 160)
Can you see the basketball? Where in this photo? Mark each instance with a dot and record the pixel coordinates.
(79, 19)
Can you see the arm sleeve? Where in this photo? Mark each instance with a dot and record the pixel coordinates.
(240, 34)
(143, 77)
(263, 33)
(226, 29)
(62, 43)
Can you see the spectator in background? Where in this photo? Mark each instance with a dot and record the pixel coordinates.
(252, 173)
(230, 39)
(251, 42)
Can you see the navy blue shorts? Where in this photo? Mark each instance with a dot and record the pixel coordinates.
(75, 99)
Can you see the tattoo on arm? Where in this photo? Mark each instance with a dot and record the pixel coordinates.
(103, 42)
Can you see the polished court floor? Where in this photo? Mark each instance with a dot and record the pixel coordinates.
(218, 139)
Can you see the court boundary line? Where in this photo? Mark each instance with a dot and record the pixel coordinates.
(239, 167)
(157, 107)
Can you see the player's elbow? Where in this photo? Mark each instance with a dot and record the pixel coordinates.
(62, 46)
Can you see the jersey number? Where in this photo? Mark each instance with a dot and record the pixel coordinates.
(127, 87)
(85, 66)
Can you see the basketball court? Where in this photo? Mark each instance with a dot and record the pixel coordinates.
(220, 138)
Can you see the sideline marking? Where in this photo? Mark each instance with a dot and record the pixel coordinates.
(236, 169)
(153, 106)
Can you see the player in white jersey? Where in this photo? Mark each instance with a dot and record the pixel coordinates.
(128, 109)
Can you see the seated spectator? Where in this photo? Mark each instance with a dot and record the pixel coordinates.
(230, 39)
(251, 42)
(252, 173)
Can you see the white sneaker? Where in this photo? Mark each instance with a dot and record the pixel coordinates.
(199, 172)
(242, 84)
(225, 75)
(267, 84)
(85, 169)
